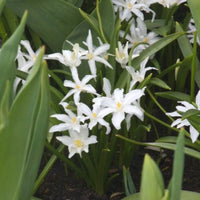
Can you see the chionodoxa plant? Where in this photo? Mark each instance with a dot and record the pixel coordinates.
(107, 65)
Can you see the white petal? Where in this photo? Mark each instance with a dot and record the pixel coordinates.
(117, 118)
(59, 128)
(194, 134)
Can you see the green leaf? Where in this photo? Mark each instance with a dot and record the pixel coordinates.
(194, 8)
(178, 96)
(2, 3)
(51, 20)
(178, 166)
(186, 50)
(152, 49)
(173, 139)
(185, 195)
(21, 141)
(38, 136)
(151, 174)
(7, 57)
(169, 146)
(160, 83)
(4, 106)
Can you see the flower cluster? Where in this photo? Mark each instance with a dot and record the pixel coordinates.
(120, 105)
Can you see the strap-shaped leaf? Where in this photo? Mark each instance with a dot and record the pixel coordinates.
(7, 56)
(21, 141)
(51, 20)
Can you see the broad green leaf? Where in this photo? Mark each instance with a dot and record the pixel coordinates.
(185, 195)
(2, 3)
(186, 50)
(38, 136)
(173, 95)
(7, 56)
(160, 83)
(51, 20)
(4, 106)
(17, 138)
(152, 186)
(178, 166)
(152, 49)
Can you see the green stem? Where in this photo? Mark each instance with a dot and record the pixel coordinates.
(158, 104)
(160, 121)
(100, 23)
(193, 69)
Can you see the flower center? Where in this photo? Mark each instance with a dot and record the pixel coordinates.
(74, 119)
(122, 55)
(94, 114)
(146, 39)
(129, 6)
(119, 106)
(90, 56)
(73, 56)
(78, 143)
(78, 87)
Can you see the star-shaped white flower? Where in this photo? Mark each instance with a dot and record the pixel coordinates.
(119, 104)
(79, 86)
(70, 120)
(78, 142)
(184, 107)
(95, 54)
(129, 7)
(138, 34)
(95, 116)
(138, 75)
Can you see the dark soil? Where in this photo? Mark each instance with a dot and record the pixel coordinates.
(58, 186)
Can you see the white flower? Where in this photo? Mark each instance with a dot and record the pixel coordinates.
(25, 60)
(69, 58)
(192, 29)
(184, 107)
(78, 142)
(122, 54)
(139, 34)
(129, 7)
(71, 121)
(138, 75)
(170, 3)
(95, 116)
(119, 104)
(95, 54)
(79, 86)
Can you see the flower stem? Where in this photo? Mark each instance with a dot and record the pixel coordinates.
(100, 23)
(160, 121)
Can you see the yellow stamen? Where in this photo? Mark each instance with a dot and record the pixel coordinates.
(74, 119)
(94, 114)
(129, 6)
(90, 56)
(119, 104)
(73, 56)
(78, 87)
(78, 143)
(146, 39)
(122, 56)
